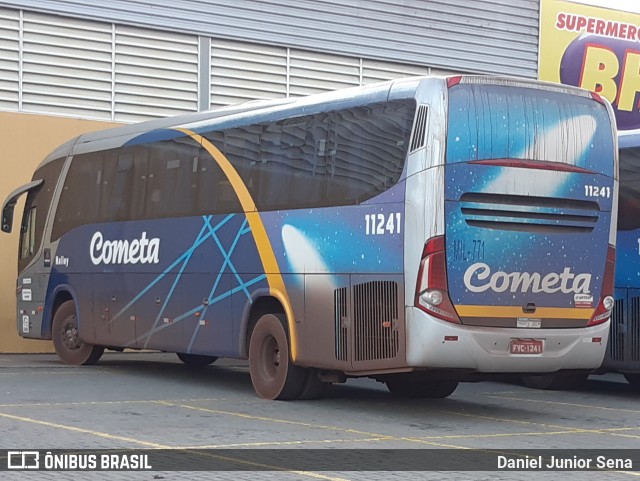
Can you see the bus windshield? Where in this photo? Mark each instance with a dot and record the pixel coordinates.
(489, 122)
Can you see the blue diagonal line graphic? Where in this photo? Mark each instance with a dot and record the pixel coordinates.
(207, 223)
(227, 261)
(227, 256)
(219, 298)
(199, 240)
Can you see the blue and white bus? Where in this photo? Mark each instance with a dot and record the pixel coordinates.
(420, 231)
(623, 351)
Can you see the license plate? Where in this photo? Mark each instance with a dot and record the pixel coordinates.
(526, 346)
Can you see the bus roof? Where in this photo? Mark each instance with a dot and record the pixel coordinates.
(267, 110)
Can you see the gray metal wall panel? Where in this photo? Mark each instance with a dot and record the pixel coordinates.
(489, 36)
(9, 59)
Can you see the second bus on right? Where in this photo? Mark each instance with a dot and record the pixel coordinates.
(623, 349)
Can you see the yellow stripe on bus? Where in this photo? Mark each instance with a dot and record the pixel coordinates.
(265, 250)
(516, 311)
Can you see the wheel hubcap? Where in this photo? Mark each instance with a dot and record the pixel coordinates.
(70, 336)
(271, 357)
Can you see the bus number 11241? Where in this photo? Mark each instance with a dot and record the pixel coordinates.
(380, 224)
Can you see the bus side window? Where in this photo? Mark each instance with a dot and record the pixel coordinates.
(270, 169)
(242, 148)
(28, 232)
(80, 198)
(370, 147)
(171, 190)
(316, 156)
(105, 181)
(116, 207)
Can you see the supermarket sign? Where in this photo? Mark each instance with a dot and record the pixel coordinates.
(594, 48)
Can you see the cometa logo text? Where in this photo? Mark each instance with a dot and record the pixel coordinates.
(478, 278)
(143, 250)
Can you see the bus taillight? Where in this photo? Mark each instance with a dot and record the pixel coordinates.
(432, 295)
(605, 306)
(453, 81)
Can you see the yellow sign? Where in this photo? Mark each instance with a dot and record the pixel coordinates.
(594, 48)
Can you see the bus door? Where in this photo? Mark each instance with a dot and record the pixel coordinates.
(30, 291)
(35, 258)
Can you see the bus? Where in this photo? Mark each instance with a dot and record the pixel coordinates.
(421, 231)
(623, 351)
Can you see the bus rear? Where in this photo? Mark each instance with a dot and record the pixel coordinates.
(521, 278)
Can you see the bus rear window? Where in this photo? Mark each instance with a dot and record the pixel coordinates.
(488, 122)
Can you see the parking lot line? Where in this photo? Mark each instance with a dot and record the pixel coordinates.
(562, 403)
(97, 403)
(164, 446)
(286, 443)
(85, 431)
(566, 429)
(383, 437)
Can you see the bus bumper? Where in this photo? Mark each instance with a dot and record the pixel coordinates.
(436, 344)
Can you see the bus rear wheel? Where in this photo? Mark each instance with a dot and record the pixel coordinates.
(196, 360)
(633, 379)
(314, 387)
(554, 382)
(407, 385)
(69, 346)
(273, 374)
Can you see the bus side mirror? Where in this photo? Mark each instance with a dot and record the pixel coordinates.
(7, 218)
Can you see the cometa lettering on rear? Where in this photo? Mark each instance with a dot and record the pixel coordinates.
(478, 278)
(143, 250)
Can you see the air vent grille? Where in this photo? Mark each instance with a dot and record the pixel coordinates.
(529, 213)
(375, 320)
(341, 320)
(420, 128)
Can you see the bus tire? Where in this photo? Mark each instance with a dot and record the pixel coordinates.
(196, 360)
(313, 387)
(273, 374)
(633, 378)
(443, 388)
(69, 346)
(411, 386)
(554, 382)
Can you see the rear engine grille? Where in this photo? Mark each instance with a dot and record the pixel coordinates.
(341, 319)
(375, 320)
(529, 213)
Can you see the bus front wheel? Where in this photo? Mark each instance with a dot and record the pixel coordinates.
(273, 374)
(69, 346)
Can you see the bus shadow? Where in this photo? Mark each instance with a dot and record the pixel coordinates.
(607, 384)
